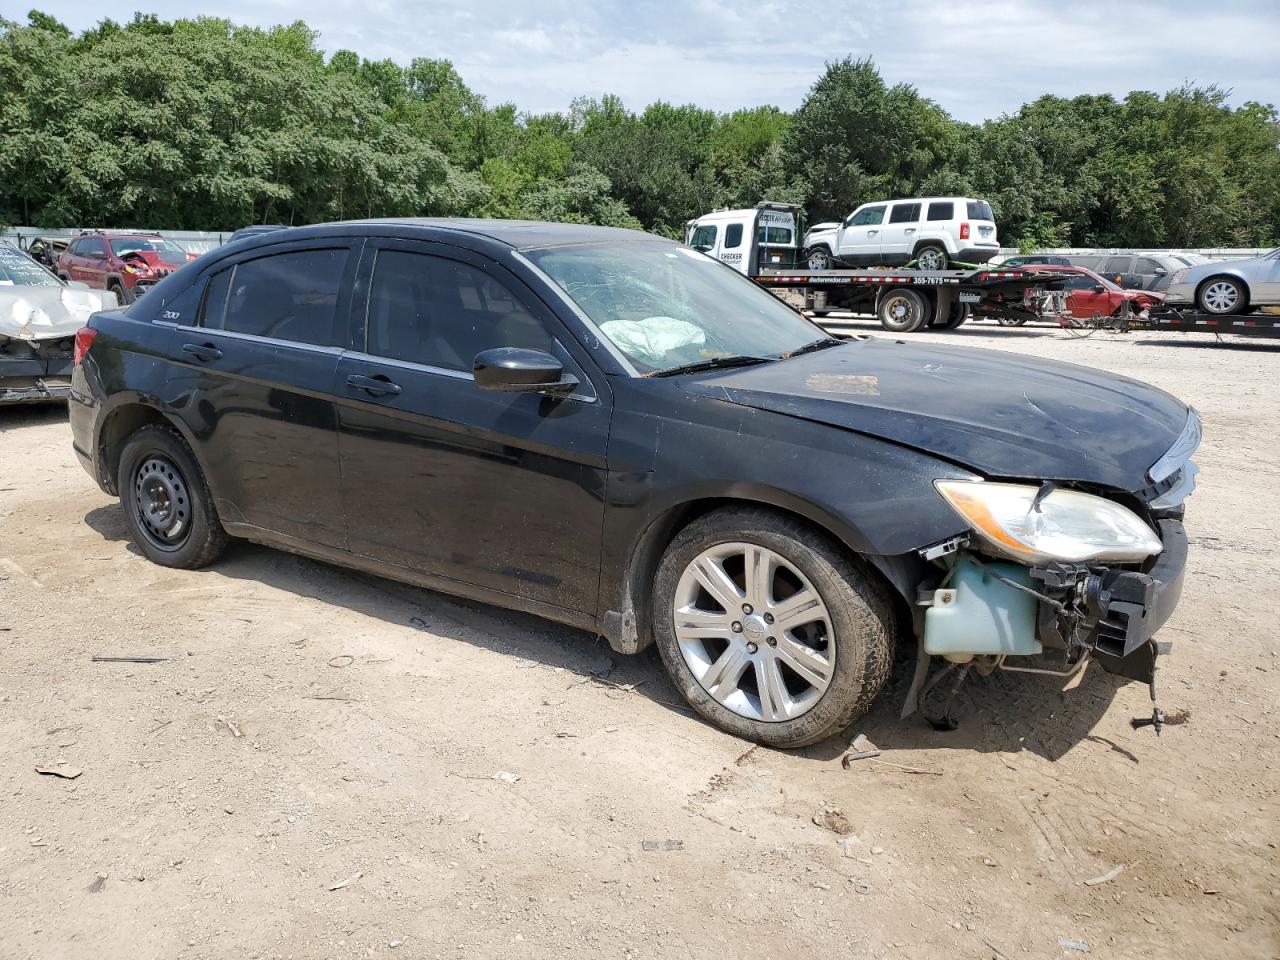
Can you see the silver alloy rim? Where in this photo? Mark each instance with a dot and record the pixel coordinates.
(930, 259)
(1221, 296)
(818, 260)
(754, 632)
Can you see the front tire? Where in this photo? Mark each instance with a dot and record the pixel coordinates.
(771, 633)
(1222, 296)
(167, 504)
(121, 298)
(819, 258)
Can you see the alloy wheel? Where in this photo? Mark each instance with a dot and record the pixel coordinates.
(754, 632)
(1221, 296)
(819, 260)
(931, 258)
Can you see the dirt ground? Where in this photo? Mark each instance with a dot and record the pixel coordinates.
(316, 729)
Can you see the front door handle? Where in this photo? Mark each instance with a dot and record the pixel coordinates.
(378, 386)
(202, 351)
(872, 233)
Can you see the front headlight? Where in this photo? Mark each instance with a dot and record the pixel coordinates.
(1179, 276)
(1067, 525)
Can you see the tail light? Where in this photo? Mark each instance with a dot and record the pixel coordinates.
(964, 231)
(84, 340)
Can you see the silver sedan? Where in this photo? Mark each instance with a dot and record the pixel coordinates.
(1229, 286)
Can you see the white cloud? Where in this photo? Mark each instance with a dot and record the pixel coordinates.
(978, 59)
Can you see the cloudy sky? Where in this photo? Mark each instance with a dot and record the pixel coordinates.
(978, 60)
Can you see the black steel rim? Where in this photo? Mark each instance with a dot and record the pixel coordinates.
(162, 503)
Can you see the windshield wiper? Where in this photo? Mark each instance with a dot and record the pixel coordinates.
(815, 345)
(715, 363)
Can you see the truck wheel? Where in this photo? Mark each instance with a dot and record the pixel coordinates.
(960, 312)
(819, 258)
(931, 257)
(167, 505)
(903, 311)
(1222, 295)
(769, 631)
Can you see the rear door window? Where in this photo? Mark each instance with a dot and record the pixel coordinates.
(1148, 267)
(905, 213)
(942, 210)
(1088, 262)
(440, 312)
(1117, 265)
(287, 296)
(733, 236)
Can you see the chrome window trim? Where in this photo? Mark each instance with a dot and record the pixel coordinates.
(1182, 450)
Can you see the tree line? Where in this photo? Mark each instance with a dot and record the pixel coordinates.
(205, 125)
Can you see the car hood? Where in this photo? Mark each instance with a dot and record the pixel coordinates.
(1203, 271)
(47, 313)
(1144, 295)
(997, 413)
(152, 258)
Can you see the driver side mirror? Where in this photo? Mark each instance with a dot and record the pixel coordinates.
(1099, 288)
(518, 370)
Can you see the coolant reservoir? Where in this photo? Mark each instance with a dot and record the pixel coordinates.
(979, 614)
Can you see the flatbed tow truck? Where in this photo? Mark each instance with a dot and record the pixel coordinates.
(906, 300)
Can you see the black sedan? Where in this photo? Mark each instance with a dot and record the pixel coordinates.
(619, 433)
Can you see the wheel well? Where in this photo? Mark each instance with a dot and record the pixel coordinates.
(119, 426)
(636, 628)
(921, 244)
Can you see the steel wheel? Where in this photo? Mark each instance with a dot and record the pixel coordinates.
(1221, 296)
(162, 503)
(754, 632)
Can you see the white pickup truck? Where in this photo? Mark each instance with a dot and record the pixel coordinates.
(931, 231)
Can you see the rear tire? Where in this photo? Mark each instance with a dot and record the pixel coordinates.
(167, 504)
(851, 653)
(1222, 296)
(960, 312)
(903, 311)
(932, 256)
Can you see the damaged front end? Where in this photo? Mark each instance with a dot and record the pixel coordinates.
(38, 324)
(1061, 575)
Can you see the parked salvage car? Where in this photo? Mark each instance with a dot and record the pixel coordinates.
(1229, 286)
(613, 431)
(127, 264)
(39, 316)
(46, 250)
(1090, 295)
(254, 230)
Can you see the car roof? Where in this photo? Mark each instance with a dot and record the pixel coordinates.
(516, 234)
(1063, 268)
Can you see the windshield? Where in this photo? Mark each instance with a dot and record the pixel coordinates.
(170, 251)
(666, 306)
(19, 270)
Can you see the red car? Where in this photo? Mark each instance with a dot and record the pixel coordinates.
(1090, 295)
(127, 264)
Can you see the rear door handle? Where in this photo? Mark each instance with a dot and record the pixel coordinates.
(202, 351)
(378, 386)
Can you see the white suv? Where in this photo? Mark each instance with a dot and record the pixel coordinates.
(932, 231)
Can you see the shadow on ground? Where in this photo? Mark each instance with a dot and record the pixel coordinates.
(1002, 713)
